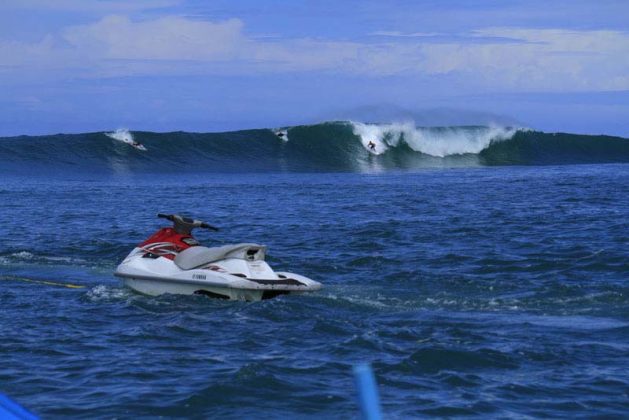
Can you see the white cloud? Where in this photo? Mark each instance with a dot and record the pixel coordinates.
(398, 34)
(532, 59)
(549, 59)
(169, 38)
(42, 54)
(101, 6)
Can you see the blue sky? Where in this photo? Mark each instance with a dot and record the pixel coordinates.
(161, 65)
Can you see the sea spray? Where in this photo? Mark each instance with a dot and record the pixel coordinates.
(122, 134)
(434, 141)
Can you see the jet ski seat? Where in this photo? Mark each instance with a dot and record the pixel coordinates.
(197, 256)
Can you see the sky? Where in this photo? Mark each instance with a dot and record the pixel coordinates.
(200, 65)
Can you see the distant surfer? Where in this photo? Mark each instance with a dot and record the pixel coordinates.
(124, 136)
(139, 146)
(282, 135)
(372, 146)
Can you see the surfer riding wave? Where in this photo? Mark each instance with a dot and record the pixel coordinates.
(124, 136)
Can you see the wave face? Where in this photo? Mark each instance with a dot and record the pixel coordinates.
(330, 146)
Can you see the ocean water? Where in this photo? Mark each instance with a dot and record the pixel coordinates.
(482, 271)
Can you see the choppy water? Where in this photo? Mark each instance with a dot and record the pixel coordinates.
(492, 291)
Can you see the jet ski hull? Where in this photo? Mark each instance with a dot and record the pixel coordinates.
(231, 278)
(155, 286)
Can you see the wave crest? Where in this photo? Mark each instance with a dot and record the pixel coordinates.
(122, 134)
(433, 141)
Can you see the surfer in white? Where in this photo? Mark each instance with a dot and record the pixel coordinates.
(372, 145)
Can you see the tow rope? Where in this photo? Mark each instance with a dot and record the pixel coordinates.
(44, 282)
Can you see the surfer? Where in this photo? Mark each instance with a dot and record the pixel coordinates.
(125, 136)
(138, 146)
(372, 145)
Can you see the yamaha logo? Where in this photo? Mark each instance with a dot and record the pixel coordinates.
(190, 241)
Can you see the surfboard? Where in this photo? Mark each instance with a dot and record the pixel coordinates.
(124, 136)
(139, 146)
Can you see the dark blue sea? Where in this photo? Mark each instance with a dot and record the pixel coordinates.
(481, 272)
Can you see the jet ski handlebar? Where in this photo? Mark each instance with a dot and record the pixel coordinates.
(185, 225)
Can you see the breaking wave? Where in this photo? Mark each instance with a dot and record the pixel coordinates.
(121, 134)
(330, 146)
(433, 141)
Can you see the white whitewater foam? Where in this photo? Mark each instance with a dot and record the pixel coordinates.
(282, 134)
(22, 255)
(121, 134)
(102, 292)
(25, 256)
(125, 136)
(439, 142)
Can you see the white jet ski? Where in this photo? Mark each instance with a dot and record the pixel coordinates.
(173, 261)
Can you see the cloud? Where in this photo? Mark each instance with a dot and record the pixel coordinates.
(398, 34)
(22, 55)
(549, 59)
(169, 38)
(514, 59)
(101, 6)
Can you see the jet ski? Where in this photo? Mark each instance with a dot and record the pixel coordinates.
(173, 261)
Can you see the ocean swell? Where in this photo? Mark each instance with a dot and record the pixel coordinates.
(326, 147)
